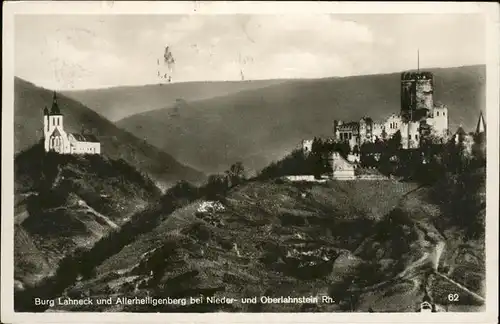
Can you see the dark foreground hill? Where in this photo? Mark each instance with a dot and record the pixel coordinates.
(115, 142)
(368, 244)
(63, 203)
(259, 126)
(121, 102)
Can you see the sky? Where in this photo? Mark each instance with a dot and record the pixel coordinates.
(66, 52)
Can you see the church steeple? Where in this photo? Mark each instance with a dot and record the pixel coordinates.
(45, 111)
(55, 107)
(481, 125)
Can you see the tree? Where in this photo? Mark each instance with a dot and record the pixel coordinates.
(394, 143)
(318, 159)
(367, 151)
(236, 174)
(217, 186)
(296, 163)
(384, 134)
(479, 149)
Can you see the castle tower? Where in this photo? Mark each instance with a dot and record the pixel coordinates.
(408, 91)
(417, 90)
(336, 124)
(424, 91)
(440, 120)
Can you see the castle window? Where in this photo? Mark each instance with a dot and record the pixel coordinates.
(350, 135)
(416, 137)
(437, 113)
(443, 113)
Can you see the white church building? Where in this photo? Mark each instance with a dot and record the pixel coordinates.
(56, 139)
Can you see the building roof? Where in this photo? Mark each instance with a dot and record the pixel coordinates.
(56, 132)
(350, 125)
(416, 75)
(55, 107)
(481, 125)
(85, 138)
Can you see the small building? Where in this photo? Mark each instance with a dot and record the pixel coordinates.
(426, 307)
(307, 146)
(353, 158)
(341, 168)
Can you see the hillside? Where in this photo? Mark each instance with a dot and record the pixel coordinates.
(121, 102)
(356, 241)
(116, 143)
(63, 203)
(261, 125)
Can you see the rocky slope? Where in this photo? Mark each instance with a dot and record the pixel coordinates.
(273, 239)
(369, 245)
(65, 203)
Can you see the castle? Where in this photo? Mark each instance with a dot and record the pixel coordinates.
(56, 139)
(419, 117)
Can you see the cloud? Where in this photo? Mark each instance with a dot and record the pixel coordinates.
(64, 65)
(95, 51)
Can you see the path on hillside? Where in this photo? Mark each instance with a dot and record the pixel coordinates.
(430, 258)
(408, 273)
(411, 271)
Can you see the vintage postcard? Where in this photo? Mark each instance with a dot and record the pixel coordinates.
(226, 162)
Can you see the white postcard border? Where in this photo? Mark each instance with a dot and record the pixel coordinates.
(491, 13)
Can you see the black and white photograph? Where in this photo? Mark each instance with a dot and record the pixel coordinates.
(205, 161)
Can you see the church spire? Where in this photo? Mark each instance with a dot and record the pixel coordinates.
(481, 125)
(55, 107)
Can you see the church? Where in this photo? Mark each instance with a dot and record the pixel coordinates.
(56, 139)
